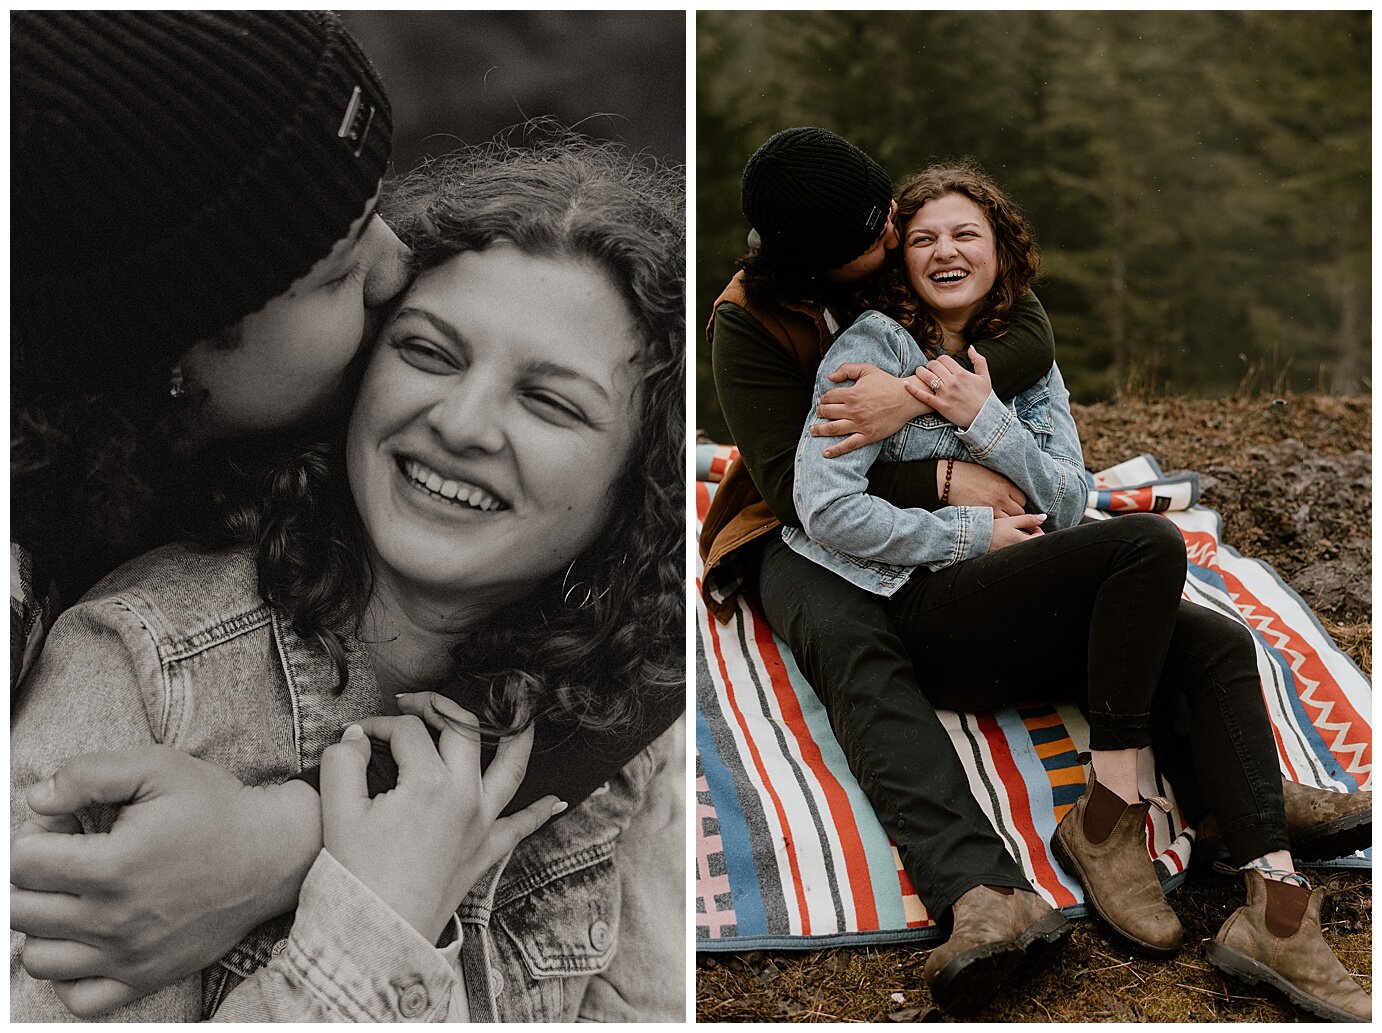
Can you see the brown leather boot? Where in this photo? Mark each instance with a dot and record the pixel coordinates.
(1102, 841)
(1322, 824)
(1275, 939)
(996, 931)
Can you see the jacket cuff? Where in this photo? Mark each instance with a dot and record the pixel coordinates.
(359, 953)
(978, 531)
(988, 428)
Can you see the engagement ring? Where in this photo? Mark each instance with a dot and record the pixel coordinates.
(935, 384)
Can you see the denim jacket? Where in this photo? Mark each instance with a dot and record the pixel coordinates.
(583, 920)
(876, 545)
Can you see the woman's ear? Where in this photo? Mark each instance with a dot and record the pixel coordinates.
(891, 237)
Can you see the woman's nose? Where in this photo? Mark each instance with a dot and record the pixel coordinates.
(468, 418)
(945, 247)
(389, 272)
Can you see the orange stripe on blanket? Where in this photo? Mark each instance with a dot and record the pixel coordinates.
(1021, 804)
(913, 910)
(842, 815)
(1043, 721)
(787, 846)
(702, 500)
(1067, 776)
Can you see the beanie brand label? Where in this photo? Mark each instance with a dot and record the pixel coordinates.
(873, 217)
(355, 124)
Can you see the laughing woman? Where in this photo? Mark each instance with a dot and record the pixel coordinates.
(1037, 606)
(499, 531)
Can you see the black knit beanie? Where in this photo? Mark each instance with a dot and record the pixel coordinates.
(816, 200)
(171, 172)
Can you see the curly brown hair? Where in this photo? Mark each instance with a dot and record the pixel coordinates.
(599, 664)
(1019, 261)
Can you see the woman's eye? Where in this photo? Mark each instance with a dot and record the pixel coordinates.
(554, 408)
(425, 356)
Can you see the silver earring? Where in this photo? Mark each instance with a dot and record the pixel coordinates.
(566, 593)
(176, 387)
(589, 596)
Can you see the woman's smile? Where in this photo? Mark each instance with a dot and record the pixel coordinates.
(457, 493)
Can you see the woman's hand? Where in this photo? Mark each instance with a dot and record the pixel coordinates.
(421, 846)
(952, 390)
(875, 407)
(1012, 530)
(975, 485)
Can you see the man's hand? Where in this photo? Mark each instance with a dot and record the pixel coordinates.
(194, 861)
(975, 485)
(875, 407)
(952, 390)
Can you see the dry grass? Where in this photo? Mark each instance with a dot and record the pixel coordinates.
(1091, 980)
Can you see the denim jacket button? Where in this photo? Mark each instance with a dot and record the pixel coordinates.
(496, 979)
(600, 934)
(277, 948)
(412, 1002)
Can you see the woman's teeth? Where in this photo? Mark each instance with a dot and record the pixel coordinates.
(952, 276)
(456, 491)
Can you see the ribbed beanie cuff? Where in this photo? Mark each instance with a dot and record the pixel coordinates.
(816, 200)
(174, 171)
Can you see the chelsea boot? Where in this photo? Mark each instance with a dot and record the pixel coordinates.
(1275, 939)
(1102, 842)
(1322, 824)
(996, 931)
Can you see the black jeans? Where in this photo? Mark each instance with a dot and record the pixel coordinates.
(1093, 614)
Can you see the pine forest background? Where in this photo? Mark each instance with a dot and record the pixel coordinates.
(1199, 182)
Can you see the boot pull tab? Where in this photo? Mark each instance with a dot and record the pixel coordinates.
(1160, 803)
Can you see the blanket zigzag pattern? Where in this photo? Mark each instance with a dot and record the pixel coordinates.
(789, 854)
(1281, 641)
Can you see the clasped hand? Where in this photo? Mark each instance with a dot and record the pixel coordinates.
(421, 846)
(957, 394)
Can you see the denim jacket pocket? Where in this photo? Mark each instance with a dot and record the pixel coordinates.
(1033, 409)
(565, 922)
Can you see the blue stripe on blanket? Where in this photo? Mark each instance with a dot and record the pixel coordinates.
(749, 910)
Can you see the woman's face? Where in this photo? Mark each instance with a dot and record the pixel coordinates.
(951, 258)
(494, 416)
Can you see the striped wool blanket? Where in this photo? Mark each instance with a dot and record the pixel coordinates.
(788, 852)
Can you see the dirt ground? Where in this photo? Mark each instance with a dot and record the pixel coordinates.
(1292, 478)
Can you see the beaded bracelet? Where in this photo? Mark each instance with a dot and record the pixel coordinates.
(945, 492)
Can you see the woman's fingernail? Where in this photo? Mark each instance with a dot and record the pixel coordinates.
(558, 807)
(1041, 517)
(353, 732)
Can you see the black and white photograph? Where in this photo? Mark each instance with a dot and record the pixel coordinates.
(348, 516)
